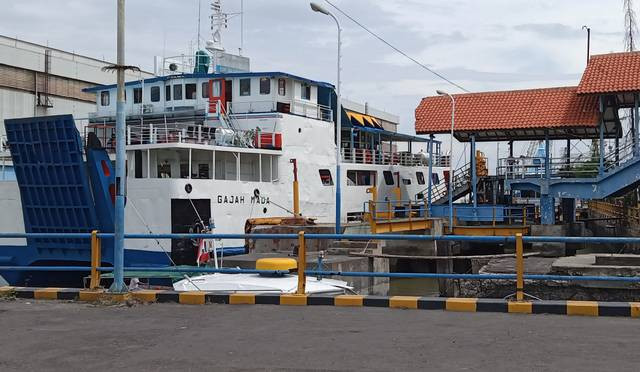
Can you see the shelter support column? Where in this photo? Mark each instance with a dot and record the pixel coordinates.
(601, 149)
(547, 202)
(474, 186)
(636, 118)
(430, 176)
(568, 210)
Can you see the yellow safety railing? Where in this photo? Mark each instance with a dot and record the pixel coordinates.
(302, 264)
(519, 268)
(96, 258)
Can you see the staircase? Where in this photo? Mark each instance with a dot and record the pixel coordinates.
(461, 181)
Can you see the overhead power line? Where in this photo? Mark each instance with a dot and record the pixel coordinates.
(397, 49)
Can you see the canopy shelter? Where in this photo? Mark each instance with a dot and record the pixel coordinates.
(520, 115)
(358, 123)
(590, 110)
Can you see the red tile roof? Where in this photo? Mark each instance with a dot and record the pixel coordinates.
(547, 108)
(613, 72)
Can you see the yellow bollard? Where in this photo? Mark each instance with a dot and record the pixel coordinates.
(519, 268)
(296, 190)
(302, 264)
(95, 260)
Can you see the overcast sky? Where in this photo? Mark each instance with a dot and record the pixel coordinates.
(482, 45)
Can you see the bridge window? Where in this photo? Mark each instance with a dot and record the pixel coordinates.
(226, 165)
(164, 169)
(361, 178)
(155, 94)
(177, 92)
(167, 93)
(245, 87)
(325, 177)
(190, 91)
(104, 98)
(205, 89)
(420, 178)
(282, 87)
(265, 86)
(137, 95)
(388, 178)
(406, 181)
(249, 167)
(306, 91)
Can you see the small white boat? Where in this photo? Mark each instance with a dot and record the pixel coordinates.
(259, 283)
(256, 283)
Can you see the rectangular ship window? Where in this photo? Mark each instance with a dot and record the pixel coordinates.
(177, 92)
(325, 177)
(190, 91)
(167, 93)
(104, 98)
(420, 178)
(388, 178)
(306, 91)
(205, 89)
(361, 178)
(245, 87)
(137, 95)
(265, 86)
(155, 94)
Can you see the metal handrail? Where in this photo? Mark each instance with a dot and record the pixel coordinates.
(519, 276)
(366, 156)
(461, 176)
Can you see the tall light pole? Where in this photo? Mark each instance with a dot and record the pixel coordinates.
(317, 8)
(453, 117)
(118, 246)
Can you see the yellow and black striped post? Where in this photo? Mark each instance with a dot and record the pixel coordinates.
(519, 268)
(302, 264)
(96, 258)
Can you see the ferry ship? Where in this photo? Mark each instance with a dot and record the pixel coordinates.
(206, 149)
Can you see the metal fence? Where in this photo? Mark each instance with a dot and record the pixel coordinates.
(301, 237)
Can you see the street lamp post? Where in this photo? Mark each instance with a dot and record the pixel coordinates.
(453, 116)
(317, 8)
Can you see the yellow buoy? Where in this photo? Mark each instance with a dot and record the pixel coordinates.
(281, 264)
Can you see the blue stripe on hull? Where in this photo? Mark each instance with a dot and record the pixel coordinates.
(30, 256)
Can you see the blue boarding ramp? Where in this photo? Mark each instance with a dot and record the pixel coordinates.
(55, 191)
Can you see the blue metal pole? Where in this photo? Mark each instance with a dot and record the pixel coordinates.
(474, 186)
(453, 118)
(601, 150)
(338, 138)
(429, 181)
(118, 249)
(547, 204)
(547, 158)
(636, 119)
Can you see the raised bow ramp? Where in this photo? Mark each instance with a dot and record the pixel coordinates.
(55, 191)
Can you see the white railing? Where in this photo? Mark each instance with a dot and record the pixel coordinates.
(147, 134)
(364, 156)
(150, 109)
(295, 106)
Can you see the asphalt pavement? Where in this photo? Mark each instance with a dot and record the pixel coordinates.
(56, 335)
